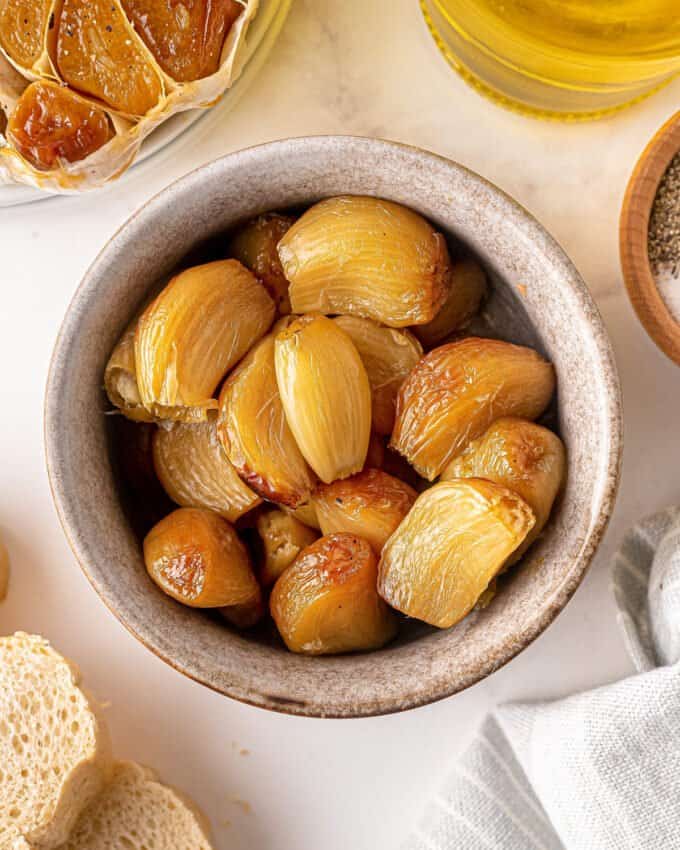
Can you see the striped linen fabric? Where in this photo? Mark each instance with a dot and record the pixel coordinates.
(595, 771)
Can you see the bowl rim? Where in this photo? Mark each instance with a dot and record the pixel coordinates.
(602, 505)
(636, 210)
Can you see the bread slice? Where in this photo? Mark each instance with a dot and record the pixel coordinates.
(55, 755)
(137, 812)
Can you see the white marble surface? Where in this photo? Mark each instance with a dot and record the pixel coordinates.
(367, 68)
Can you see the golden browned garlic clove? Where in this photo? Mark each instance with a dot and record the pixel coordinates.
(522, 456)
(188, 338)
(283, 538)
(370, 504)
(326, 602)
(196, 557)
(468, 286)
(255, 245)
(325, 394)
(443, 556)
(253, 429)
(120, 379)
(458, 390)
(388, 356)
(196, 473)
(368, 257)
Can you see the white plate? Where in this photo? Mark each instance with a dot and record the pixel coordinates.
(260, 39)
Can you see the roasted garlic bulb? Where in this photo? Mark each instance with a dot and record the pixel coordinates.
(200, 325)
(196, 473)
(283, 538)
(107, 73)
(468, 286)
(120, 379)
(522, 456)
(196, 557)
(51, 124)
(368, 257)
(454, 540)
(254, 432)
(325, 394)
(458, 390)
(370, 504)
(388, 356)
(326, 602)
(255, 245)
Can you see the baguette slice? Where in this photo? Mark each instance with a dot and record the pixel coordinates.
(55, 754)
(137, 812)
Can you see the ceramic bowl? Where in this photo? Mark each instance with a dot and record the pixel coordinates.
(537, 299)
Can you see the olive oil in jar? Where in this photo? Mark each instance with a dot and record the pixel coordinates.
(560, 58)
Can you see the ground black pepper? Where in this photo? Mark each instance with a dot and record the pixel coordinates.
(664, 224)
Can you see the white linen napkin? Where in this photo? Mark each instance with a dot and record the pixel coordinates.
(596, 771)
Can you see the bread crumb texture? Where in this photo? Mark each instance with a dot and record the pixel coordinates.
(137, 812)
(54, 754)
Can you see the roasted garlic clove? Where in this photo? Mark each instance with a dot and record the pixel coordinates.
(458, 390)
(370, 504)
(23, 29)
(368, 257)
(97, 52)
(185, 38)
(255, 245)
(283, 538)
(468, 286)
(325, 394)
(120, 379)
(388, 356)
(200, 325)
(196, 473)
(454, 540)
(51, 125)
(196, 557)
(306, 514)
(327, 603)
(522, 456)
(253, 429)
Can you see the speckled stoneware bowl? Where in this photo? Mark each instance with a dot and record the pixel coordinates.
(538, 299)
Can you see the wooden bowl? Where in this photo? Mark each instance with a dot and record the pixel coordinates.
(537, 298)
(640, 282)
